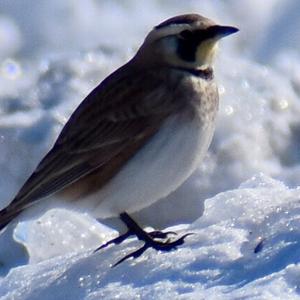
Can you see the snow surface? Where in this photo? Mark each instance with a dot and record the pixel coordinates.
(246, 240)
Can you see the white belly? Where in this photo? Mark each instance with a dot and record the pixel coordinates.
(156, 170)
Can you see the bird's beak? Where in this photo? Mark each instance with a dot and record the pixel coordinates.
(218, 31)
(208, 42)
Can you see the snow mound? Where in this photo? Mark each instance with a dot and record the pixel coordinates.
(245, 245)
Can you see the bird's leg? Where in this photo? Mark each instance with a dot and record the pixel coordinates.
(135, 229)
(141, 234)
(149, 239)
(118, 240)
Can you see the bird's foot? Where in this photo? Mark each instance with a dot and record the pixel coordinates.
(118, 240)
(151, 240)
(152, 243)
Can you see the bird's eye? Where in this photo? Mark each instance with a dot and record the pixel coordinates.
(186, 34)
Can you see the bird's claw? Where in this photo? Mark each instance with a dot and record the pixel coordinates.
(134, 254)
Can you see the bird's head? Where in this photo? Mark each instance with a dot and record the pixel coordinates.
(188, 41)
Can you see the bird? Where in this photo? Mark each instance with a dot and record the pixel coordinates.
(138, 135)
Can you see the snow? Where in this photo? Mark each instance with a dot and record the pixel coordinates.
(242, 204)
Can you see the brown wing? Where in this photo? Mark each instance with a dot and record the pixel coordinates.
(127, 107)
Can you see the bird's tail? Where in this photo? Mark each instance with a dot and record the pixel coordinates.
(7, 215)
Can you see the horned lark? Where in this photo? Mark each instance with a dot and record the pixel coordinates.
(139, 134)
